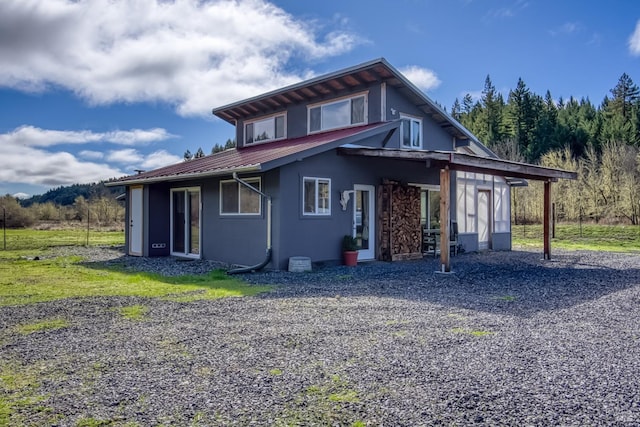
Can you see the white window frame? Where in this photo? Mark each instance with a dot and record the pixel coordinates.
(264, 119)
(350, 98)
(501, 206)
(252, 181)
(316, 180)
(411, 119)
(466, 202)
(186, 190)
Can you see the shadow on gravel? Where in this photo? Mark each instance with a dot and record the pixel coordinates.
(514, 283)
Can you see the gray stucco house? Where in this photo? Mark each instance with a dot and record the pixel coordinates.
(360, 151)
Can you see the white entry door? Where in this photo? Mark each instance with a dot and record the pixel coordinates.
(364, 223)
(135, 221)
(484, 220)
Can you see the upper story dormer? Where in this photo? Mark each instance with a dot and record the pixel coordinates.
(368, 93)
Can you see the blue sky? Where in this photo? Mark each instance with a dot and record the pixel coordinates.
(95, 89)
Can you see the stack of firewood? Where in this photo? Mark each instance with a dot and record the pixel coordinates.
(400, 235)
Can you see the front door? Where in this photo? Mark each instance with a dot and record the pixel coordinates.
(484, 219)
(364, 221)
(135, 221)
(185, 222)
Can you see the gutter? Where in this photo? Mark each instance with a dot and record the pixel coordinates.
(182, 177)
(260, 266)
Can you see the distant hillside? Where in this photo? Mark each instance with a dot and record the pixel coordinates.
(65, 196)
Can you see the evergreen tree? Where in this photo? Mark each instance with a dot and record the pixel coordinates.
(625, 95)
(187, 155)
(522, 118)
(456, 109)
(199, 153)
(489, 124)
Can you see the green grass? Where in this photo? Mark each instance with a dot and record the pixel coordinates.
(475, 333)
(611, 238)
(332, 402)
(20, 402)
(28, 239)
(24, 281)
(134, 312)
(44, 325)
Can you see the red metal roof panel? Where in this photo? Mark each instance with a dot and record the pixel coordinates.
(253, 156)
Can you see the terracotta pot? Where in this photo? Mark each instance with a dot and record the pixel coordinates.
(350, 258)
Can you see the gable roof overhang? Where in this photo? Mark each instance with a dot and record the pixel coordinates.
(466, 163)
(259, 157)
(336, 83)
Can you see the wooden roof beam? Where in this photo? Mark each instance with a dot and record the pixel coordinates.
(468, 163)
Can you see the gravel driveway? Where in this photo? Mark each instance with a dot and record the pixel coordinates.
(508, 339)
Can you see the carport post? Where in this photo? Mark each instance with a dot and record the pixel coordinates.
(547, 220)
(445, 218)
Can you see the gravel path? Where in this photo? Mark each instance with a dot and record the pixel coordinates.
(508, 339)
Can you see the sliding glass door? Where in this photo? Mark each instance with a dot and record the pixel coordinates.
(185, 222)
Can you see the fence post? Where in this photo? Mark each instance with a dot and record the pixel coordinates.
(88, 215)
(4, 227)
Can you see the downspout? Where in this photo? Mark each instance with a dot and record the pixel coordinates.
(267, 259)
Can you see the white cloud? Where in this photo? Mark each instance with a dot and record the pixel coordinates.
(133, 159)
(159, 159)
(192, 54)
(424, 78)
(91, 155)
(28, 155)
(35, 137)
(634, 41)
(128, 156)
(27, 165)
(21, 195)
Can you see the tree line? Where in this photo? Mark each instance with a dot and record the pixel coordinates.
(601, 143)
(77, 203)
(188, 155)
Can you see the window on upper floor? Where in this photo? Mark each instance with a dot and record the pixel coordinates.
(264, 130)
(342, 113)
(410, 132)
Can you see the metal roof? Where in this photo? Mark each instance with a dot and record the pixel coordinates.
(336, 83)
(259, 157)
(466, 162)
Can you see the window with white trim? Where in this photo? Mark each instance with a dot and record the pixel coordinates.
(264, 130)
(501, 206)
(466, 202)
(338, 114)
(430, 206)
(316, 196)
(237, 199)
(410, 132)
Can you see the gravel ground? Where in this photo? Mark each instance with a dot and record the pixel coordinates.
(508, 339)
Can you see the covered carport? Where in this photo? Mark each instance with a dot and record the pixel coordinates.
(450, 161)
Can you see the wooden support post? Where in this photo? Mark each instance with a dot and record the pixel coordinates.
(553, 220)
(445, 219)
(547, 220)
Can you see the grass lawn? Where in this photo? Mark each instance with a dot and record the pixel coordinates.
(615, 238)
(24, 280)
(28, 239)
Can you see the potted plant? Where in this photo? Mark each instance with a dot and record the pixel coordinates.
(350, 250)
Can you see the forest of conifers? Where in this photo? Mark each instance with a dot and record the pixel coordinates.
(601, 143)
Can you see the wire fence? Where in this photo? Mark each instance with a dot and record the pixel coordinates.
(61, 233)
